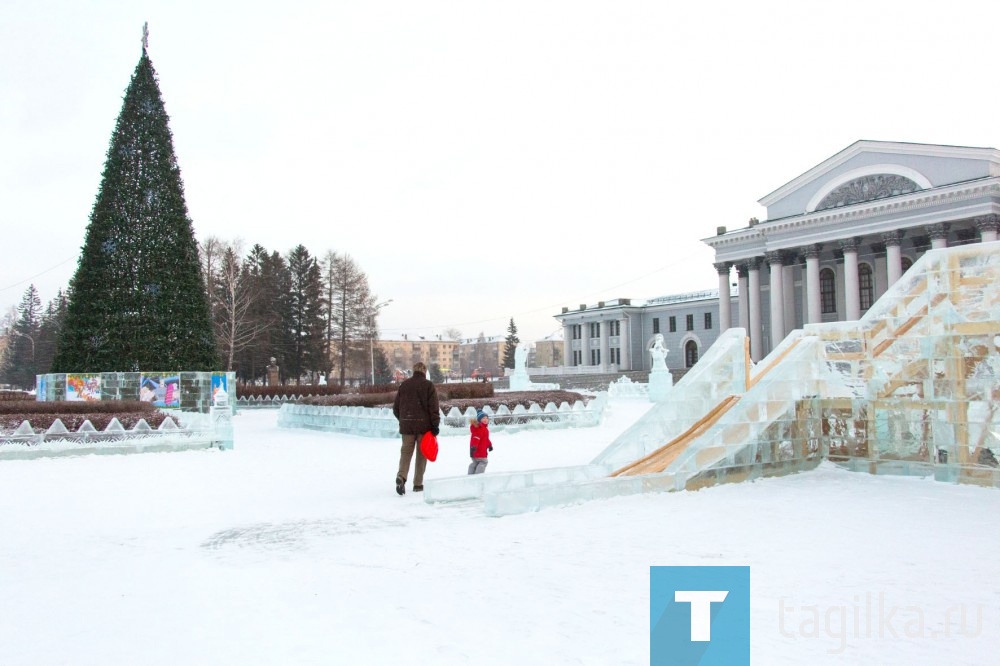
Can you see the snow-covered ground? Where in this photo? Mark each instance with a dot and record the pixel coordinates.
(295, 549)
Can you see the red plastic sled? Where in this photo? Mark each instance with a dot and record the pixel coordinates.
(429, 446)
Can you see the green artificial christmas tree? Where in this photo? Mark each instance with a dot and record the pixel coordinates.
(138, 300)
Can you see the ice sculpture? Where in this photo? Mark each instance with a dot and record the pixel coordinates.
(519, 379)
(660, 379)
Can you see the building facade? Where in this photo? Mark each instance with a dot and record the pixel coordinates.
(403, 352)
(546, 353)
(456, 358)
(835, 239)
(839, 235)
(615, 336)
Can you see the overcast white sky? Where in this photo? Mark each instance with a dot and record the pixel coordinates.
(479, 160)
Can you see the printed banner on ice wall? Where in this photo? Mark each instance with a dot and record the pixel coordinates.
(83, 387)
(161, 391)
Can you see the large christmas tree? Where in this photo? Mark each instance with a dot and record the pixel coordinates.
(138, 300)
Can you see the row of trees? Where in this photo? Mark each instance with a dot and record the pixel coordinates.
(315, 317)
(29, 339)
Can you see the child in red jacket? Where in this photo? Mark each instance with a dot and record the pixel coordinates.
(479, 443)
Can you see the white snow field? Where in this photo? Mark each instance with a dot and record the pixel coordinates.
(294, 548)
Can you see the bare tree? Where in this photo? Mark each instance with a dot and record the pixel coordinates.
(329, 264)
(210, 250)
(352, 307)
(233, 295)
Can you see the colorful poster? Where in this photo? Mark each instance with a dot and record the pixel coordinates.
(161, 391)
(219, 384)
(83, 387)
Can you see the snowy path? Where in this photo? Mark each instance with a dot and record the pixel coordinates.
(294, 549)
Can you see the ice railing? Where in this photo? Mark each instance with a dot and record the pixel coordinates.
(380, 422)
(196, 431)
(721, 372)
(946, 293)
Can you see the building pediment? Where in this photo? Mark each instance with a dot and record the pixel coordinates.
(871, 170)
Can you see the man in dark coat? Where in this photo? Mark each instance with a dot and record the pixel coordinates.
(417, 410)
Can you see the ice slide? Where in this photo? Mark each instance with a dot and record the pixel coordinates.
(728, 421)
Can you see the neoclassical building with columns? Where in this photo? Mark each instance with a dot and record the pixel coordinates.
(835, 238)
(839, 235)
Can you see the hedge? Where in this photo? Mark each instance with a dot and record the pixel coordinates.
(251, 391)
(511, 399)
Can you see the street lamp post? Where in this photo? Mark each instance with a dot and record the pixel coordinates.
(371, 340)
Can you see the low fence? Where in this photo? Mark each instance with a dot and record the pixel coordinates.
(379, 421)
(198, 404)
(265, 402)
(182, 431)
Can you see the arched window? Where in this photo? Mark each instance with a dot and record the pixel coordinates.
(690, 353)
(828, 291)
(906, 262)
(866, 285)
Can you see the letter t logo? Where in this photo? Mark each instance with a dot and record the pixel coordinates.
(701, 610)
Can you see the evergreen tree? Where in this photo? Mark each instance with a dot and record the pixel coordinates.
(48, 332)
(511, 342)
(20, 360)
(436, 375)
(276, 298)
(138, 300)
(251, 362)
(306, 307)
(383, 371)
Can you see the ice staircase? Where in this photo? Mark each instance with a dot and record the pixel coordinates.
(909, 388)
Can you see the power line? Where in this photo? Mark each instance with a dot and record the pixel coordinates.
(28, 279)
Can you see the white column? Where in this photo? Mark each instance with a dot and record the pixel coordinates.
(939, 235)
(776, 259)
(852, 293)
(742, 298)
(788, 284)
(585, 343)
(625, 343)
(724, 304)
(814, 306)
(605, 345)
(987, 225)
(756, 346)
(893, 256)
(567, 345)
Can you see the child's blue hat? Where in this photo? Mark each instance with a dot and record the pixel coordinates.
(479, 415)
